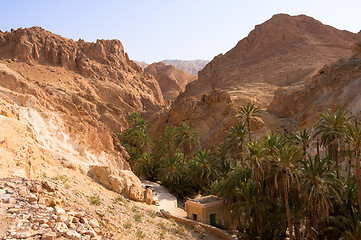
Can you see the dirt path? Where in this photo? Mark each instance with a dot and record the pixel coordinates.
(167, 201)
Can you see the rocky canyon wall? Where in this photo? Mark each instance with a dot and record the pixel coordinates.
(62, 101)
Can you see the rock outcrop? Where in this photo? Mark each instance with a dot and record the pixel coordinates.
(211, 114)
(61, 102)
(122, 182)
(335, 85)
(172, 80)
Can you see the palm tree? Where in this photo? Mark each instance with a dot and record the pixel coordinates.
(136, 121)
(136, 139)
(147, 166)
(354, 139)
(233, 179)
(257, 160)
(225, 160)
(252, 206)
(273, 140)
(303, 138)
(285, 160)
(166, 142)
(204, 169)
(332, 127)
(187, 138)
(319, 187)
(174, 174)
(245, 198)
(347, 225)
(248, 112)
(235, 141)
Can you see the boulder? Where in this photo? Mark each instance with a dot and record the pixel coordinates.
(148, 196)
(108, 178)
(120, 181)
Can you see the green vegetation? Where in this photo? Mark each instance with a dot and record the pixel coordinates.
(127, 225)
(61, 178)
(301, 185)
(95, 200)
(140, 234)
(137, 217)
(120, 200)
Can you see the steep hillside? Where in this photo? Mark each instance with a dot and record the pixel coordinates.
(190, 66)
(72, 206)
(285, 51)
(335, 85)
(172, 80)
(61, 103)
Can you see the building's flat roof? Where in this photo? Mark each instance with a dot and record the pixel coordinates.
(206, 199)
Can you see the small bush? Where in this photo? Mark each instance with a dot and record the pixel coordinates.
(127, 225)
(134, 209)
(137, 217)
(140, 234)
(61, 178)
(77, 192)
(95, 200)
(119, 199)
(151, 214)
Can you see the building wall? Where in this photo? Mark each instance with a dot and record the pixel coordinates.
(204, 211)
(222, 215)
(194, 208)
(222, 234)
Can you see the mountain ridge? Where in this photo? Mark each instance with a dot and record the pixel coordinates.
(285, 51)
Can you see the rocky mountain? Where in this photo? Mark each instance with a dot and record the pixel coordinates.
(190, 66)
(285, 51)
(61, 103)
(171, 79)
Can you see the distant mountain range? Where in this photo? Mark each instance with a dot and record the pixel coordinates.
(190, 66)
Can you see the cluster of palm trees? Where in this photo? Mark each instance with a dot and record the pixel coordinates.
(173, 158)
(302, 185)
(298, 185)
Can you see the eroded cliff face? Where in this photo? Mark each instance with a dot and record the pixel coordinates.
(63, 101)
(335, 85)
(172, 80)
(104, 61)
(284, 52)
(211, 114)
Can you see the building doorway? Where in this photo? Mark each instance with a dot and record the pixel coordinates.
(212, 218)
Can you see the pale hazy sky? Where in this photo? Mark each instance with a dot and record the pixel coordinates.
(154, 30)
